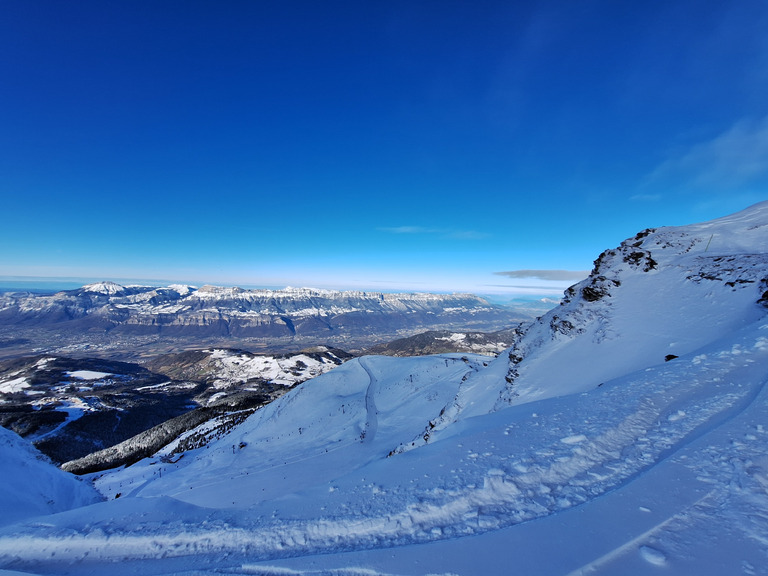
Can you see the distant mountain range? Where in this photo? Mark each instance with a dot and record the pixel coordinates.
(105, 316)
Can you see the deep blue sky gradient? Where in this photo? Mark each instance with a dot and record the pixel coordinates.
(390, 145)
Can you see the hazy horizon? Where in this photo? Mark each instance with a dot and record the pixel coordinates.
(52, 285)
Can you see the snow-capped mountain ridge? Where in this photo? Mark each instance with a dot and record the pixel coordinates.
(108, 288)
(232, 312)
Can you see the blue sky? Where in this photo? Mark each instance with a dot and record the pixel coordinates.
(378, 145)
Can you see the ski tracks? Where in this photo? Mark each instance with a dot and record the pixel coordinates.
(372, 413)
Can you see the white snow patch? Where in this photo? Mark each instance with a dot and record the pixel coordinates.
(575, 439)
(88, 374)
(14, 386)
(676, 416)
(159, 386)
(216, 396)
(455, 337)
(653, 556)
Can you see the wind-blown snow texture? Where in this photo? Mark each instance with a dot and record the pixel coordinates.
(587, 448)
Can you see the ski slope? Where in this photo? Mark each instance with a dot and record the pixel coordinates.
(466, 464)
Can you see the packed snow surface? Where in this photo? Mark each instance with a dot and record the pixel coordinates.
(642, 449)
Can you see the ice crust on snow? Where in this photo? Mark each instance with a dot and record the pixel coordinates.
(580, 450)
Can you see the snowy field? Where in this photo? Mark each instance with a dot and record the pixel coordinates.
(626, 433)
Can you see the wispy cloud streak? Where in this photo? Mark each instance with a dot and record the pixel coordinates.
(555, 275)
(407, 230)
(735, 157)
(443, 232)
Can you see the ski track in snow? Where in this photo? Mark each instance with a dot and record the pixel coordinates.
(372, 413)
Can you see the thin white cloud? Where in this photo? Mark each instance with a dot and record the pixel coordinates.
(553, 289)
(407, 230)
(735, 157)
(556, 275)
(445, 233)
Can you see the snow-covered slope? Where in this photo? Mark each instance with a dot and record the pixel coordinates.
(358, 412)
(32, 486)
(627, 464)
